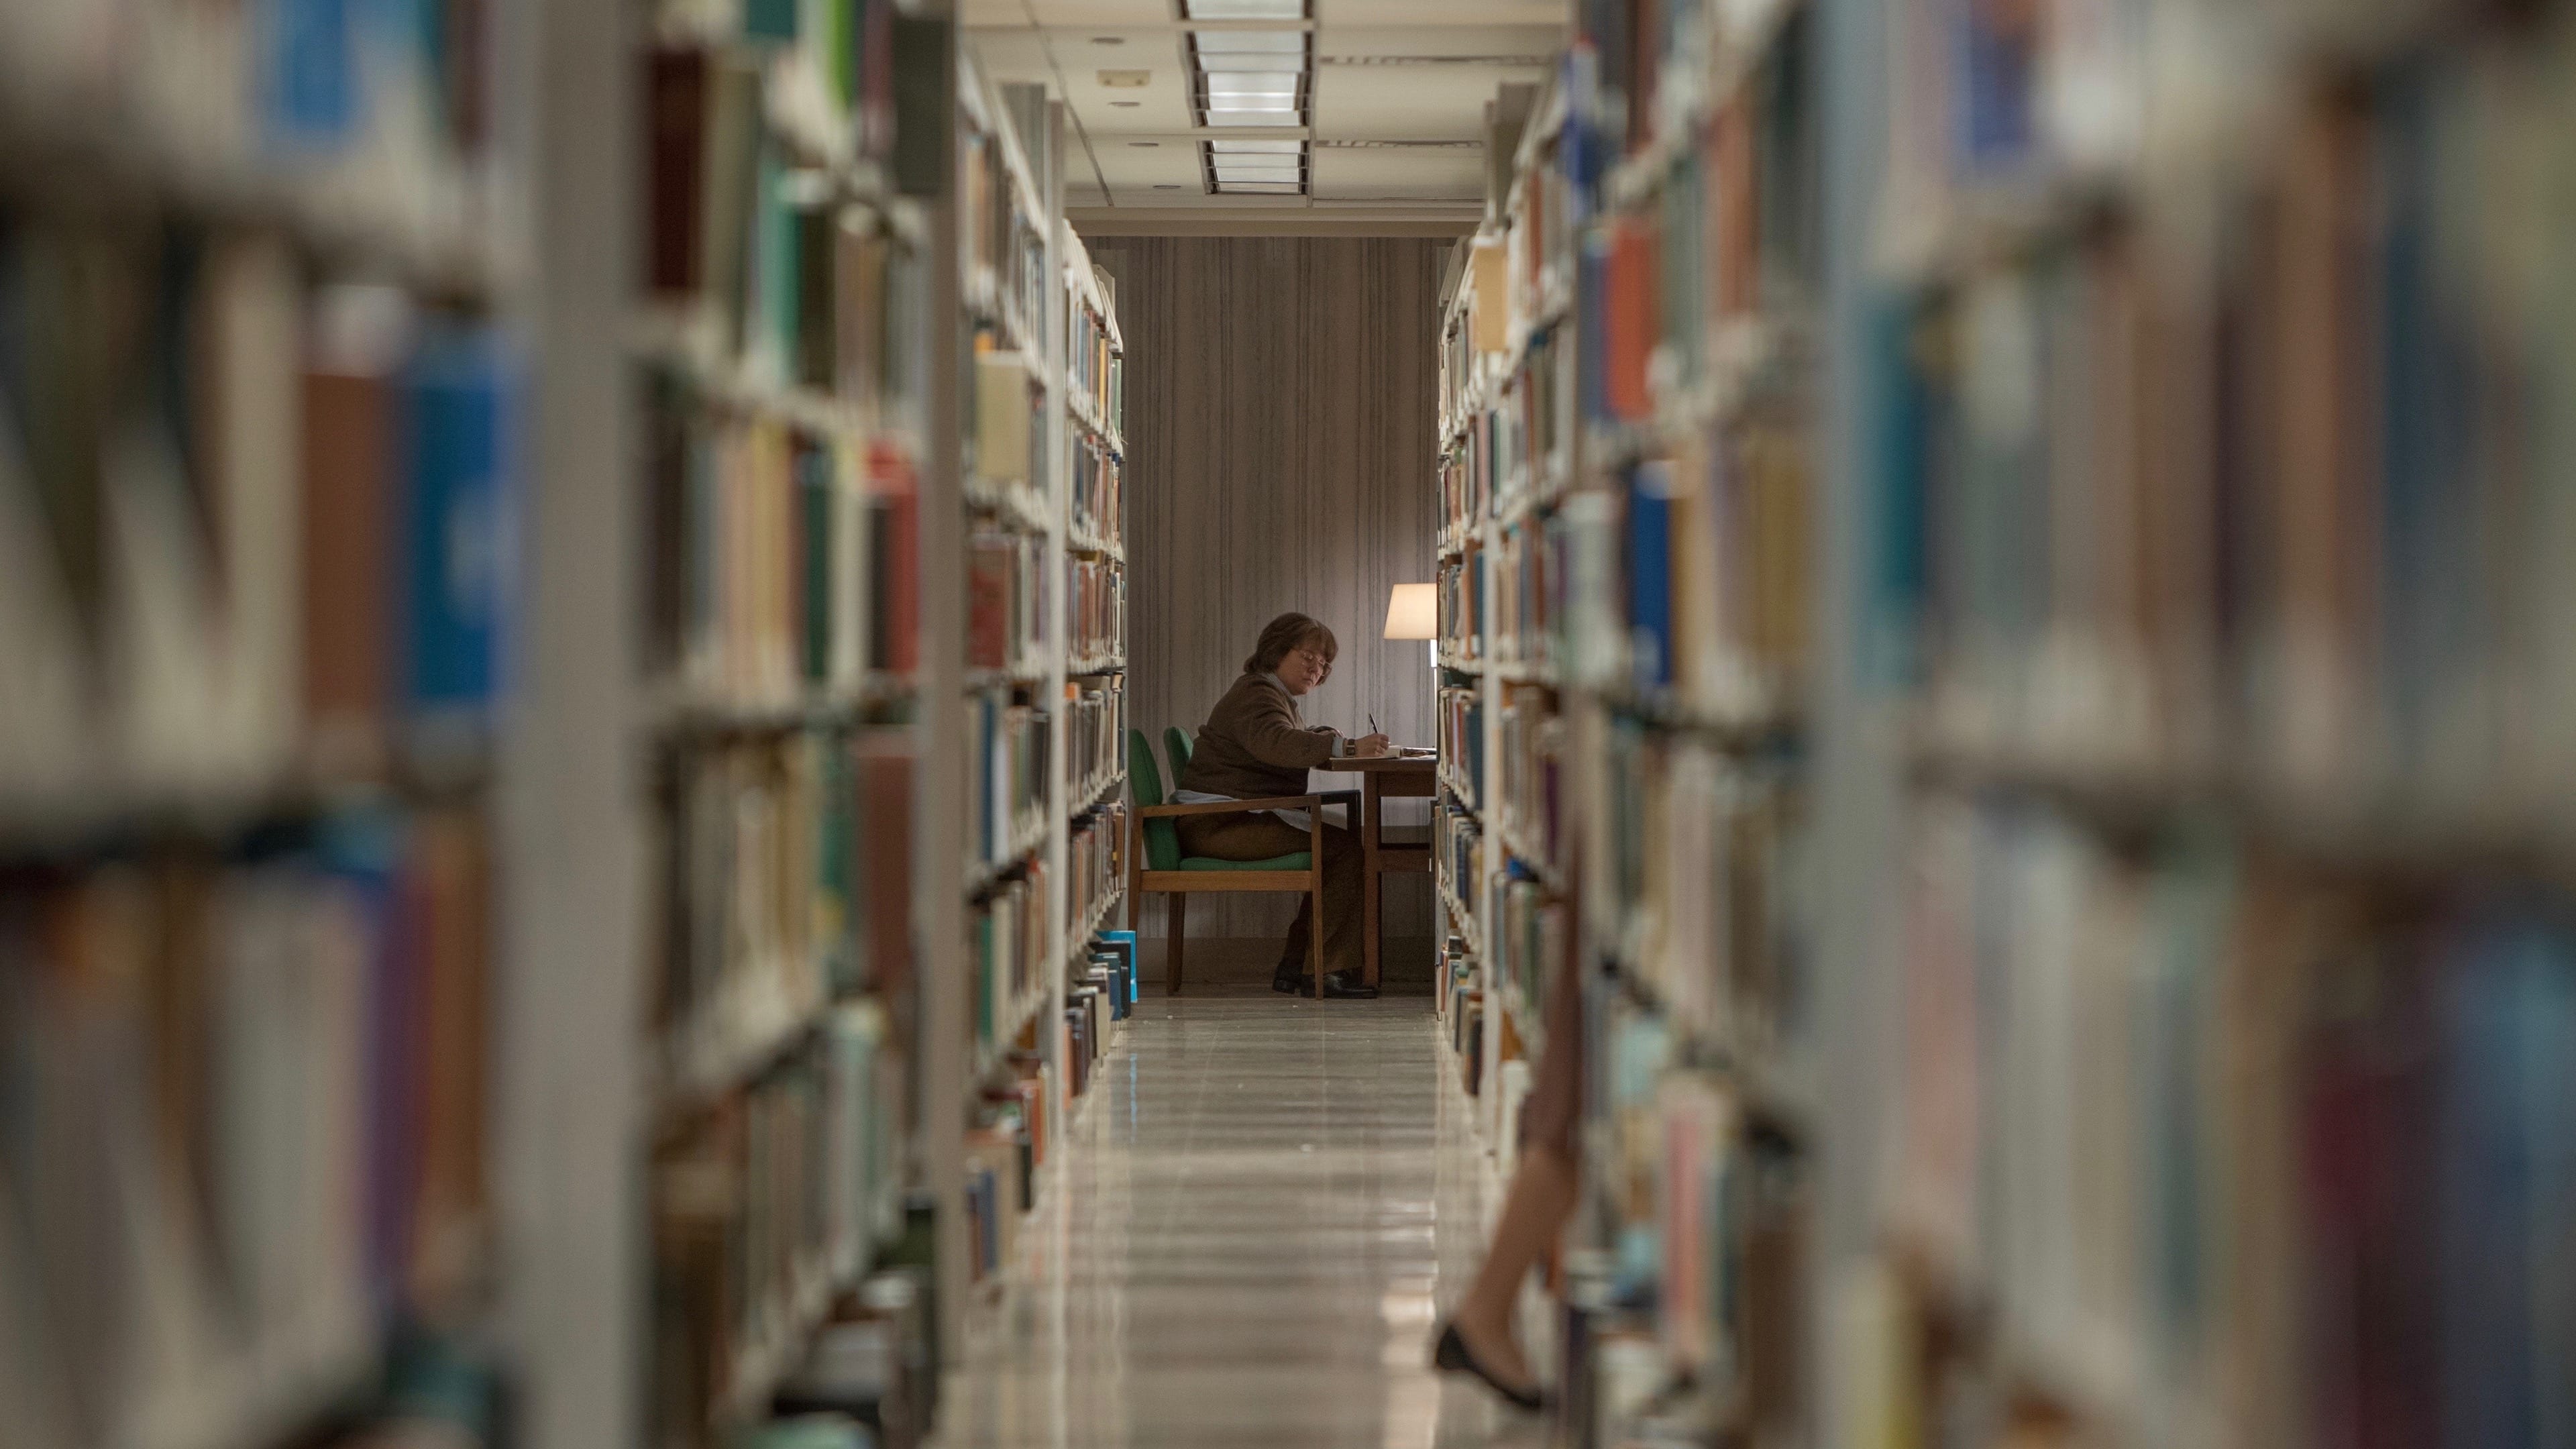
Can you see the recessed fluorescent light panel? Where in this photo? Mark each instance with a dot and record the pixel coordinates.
(1245, 75)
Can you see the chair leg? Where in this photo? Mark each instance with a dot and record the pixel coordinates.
(1176, 913)
(1315, 892)
(1315, 937)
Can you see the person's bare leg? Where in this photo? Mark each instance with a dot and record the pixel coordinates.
(1541, 1198)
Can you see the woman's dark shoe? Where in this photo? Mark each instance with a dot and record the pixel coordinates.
(1340, 986)
(1451, 1356)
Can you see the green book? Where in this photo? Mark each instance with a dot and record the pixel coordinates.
(770, 20)
(814, 501)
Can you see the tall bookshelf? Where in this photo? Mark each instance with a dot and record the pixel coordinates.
(256, 499)
(2201, 546)
(1628, 484)
(2057, 544)
(783, 390)
(865, 537)
(1094, 611)
(496, 559)
(1041, 681)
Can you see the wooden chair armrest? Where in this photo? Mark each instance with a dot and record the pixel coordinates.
(1340, 797)
(1229, 807)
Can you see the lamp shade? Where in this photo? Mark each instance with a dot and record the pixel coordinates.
(1413, 612)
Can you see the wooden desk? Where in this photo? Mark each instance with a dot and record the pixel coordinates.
(1385, 777)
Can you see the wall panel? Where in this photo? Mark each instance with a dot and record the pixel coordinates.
(1279, 422)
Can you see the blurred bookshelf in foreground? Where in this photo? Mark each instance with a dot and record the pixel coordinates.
(259, 487)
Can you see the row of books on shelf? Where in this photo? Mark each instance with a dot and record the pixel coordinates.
(1458, 852)
(1690, 1317)
(1099, 506)
(1102, 992)
(777, 854)
(1462, 607)
(1992, 106)
(1095, 735)
(761, 264)
(1010, 437)
(1534, 739)
(1463, 1016)
(1006, 775)
(1689, 579)
(2098, 1033)
(1003, 240)
(246, 1131)
(1698, 847)
(1096, 610)
(764, 1218)
(1463, 497)
(1531, 425)
(1730, 232)
(782, 564)
(375, 127)
(1096, 371)
(1096, 867)
(250, 528)
(1012, 938)
(1005, 1150)
(1527, 926)
(1462, 741)
(845, 51)
(1541, 232)
(2343, 581)
(1513, 613)
(1006, 613)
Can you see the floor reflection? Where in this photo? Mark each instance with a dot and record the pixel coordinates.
(1268, 1200)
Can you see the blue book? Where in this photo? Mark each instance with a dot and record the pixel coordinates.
(1124, 943)
(308, 71)
(2504, 1170)
(1650, 576)
(1997, 70)
(459, 525)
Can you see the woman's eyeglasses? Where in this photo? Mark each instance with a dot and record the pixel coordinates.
(1323, 665)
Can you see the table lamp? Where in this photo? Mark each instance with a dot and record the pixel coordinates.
(1413, 612)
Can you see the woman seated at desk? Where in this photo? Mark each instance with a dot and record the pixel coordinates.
(1254, 745)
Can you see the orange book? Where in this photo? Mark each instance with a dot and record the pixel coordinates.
(1631, 312)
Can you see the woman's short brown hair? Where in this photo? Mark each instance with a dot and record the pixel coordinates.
(1286, 635)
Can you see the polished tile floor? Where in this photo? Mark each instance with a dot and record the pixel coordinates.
(1267, 1198)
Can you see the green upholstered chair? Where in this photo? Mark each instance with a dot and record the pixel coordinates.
(1176, 748)
(1155, 862)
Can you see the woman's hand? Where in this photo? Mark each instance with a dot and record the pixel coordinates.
(1368, 747)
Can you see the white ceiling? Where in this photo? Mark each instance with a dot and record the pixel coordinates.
(1386, 71)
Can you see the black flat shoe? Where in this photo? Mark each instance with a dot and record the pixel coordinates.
(1292, 983)
(1347, 986)
(1451, 1356)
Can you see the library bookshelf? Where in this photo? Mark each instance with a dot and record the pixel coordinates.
(2205, 799)
(883, 413)
(1627, 476)
(253, 474)
(1997, 604)
(558, 780)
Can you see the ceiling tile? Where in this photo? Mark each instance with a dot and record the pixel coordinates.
(1424, 175)
(1406, 103)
